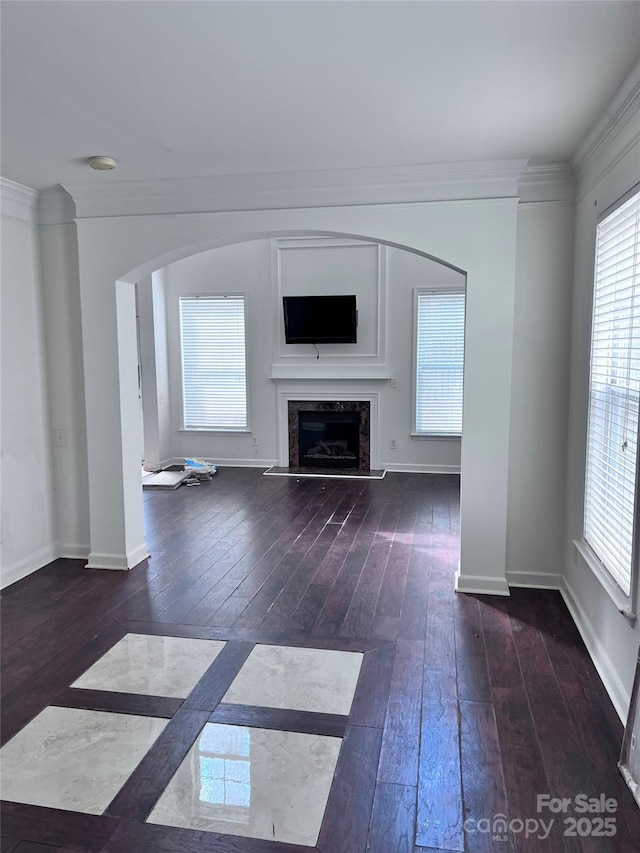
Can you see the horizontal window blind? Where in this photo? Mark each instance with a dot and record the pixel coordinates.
(439, 362)
(612, 450)
(214, 378)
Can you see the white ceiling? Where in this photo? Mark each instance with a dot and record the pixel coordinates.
(177, 89)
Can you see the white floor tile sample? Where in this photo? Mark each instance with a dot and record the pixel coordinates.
(73, 759)
(153, 666)
(252, 782)
(300, 679)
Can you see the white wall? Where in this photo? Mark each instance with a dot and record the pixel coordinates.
(28, 537)
(243, 268)
(65, 375)
(611, 168)
(407, 271)
(247, 268)
(540, 387)
(154, 364)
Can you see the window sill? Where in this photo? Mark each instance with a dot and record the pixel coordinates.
(621, 601)
(207, 431)
(431, 435)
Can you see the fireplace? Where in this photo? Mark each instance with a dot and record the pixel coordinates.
(329, 439)
(329, 434)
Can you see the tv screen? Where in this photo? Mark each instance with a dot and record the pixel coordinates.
(320, 319)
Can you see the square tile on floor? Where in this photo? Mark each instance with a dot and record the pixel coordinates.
(73, 759)
(320, 680)
(152, 665)
(252, 782)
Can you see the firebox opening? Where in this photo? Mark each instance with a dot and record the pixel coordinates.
(329, 439)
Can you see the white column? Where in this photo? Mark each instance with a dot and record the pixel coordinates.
(112, 413)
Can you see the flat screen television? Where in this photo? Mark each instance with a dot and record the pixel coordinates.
(320, 319)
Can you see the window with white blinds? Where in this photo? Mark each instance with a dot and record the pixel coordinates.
(612, 449)
(214, 376)
(439, 362)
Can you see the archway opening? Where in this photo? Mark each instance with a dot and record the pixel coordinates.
(388, 278)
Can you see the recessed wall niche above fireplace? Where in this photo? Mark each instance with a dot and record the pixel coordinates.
(330, 434)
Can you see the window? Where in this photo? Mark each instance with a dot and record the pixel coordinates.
(439, 362)
(214, 377)
(612, 449)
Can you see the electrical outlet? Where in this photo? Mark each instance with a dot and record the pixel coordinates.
(60, 438)
(254, 440)
(393, 444)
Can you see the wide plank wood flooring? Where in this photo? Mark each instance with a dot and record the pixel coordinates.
(468, 707)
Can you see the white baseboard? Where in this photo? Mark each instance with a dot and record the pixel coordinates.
(618, 694)
(28, 565)
(539, 580)
(229, 463)
(107, 561)
(74, 552)
(399, 467)
(137, 555)
(481, 585)
(244, 463)
(118, 562)
(414, 468)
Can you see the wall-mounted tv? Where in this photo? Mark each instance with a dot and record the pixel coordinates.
(320, 319)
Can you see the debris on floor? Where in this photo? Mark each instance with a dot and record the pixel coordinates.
(198, 469)
(165, 480)
(194, 472)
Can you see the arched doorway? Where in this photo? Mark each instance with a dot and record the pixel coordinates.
(258, 274)
(475, 237)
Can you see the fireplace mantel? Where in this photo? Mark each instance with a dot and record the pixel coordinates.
(349, 389)
(329, 372)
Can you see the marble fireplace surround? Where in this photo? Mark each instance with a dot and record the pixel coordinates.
(357, 407)
(341, 392)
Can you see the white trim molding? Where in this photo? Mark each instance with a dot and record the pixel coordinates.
(343, 391)
(623, 107)
(535, 580)
(623, 602)
(415, 468)
(611, 137)
(228, 463)
(330, 372)
(55, 207)
(618, 693)
(118, 562)
(481, 585)
(18, 201)
(284, 354)
(547, 182)
(28, 565)
(74, 552)
(317, 188)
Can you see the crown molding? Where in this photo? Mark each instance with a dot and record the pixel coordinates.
(55, 206)
(588, 161)
(388, 185)
(547, 182)
(479, 180)
(18, 201)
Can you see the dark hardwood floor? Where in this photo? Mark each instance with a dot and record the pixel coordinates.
(467, 708)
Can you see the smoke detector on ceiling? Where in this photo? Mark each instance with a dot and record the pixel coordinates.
(102, 164)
